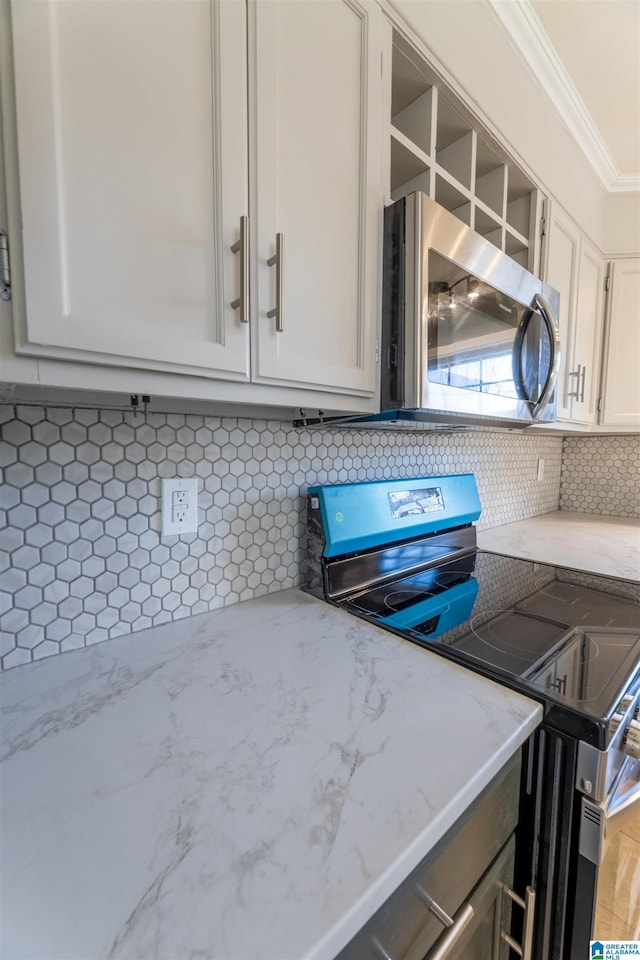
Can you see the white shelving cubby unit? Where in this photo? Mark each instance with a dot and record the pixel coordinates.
(438, 148)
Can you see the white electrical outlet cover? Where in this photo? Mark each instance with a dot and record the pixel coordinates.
(188, 513)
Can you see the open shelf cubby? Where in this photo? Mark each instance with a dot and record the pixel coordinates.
(441, 149)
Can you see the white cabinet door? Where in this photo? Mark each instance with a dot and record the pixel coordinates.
(315, 123)
(621, 383)
(587, 336)
(132, 148)
(575, 269)
(561, 272)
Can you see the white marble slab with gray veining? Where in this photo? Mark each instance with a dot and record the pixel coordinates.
(595, 544)
(253, 782)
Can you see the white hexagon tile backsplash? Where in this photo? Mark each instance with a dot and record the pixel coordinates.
(601, 475)
(82, 555)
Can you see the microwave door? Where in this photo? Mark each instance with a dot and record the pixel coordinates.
(536, 356)
(472, 330)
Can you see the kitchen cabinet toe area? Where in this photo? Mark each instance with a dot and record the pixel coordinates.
(253, 782)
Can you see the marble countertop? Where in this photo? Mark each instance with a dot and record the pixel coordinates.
(596, 544)
(248, 783)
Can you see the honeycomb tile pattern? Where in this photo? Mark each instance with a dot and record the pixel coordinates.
(601, 475)
(82, 558)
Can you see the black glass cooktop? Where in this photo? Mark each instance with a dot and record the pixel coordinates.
(406, 592)
(567, 638)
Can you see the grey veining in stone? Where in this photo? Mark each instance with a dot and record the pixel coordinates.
(609, 546)
(249, 783)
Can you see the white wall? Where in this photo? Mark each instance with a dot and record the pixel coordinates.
(622, 224)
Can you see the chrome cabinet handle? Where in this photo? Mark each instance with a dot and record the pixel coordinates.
(575, 373)
(581, 375)
(241, 246)
(447, 941)
(435, 908)
(5, 269)
(445, 945)
(278, 260)
(379, 950)
(524, 949)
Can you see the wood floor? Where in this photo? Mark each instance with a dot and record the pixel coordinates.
(618, 907)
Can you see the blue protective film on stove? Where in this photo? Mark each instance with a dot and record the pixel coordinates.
(359, 516)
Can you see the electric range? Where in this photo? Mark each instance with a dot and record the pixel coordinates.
(402, 554)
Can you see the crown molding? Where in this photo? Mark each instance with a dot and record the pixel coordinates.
(630, 183)
(524, 29)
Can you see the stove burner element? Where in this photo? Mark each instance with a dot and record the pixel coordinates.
(529, 639)
(514, 634)
(404, 592)
(447, 578)
(399, 599)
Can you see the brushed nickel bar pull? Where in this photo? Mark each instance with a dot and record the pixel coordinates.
(575, 393)
(525, 949)
(435, 908)
(446, 942)
(241, 246)
(584, 376)
(278, 261)
(5, 269)
(380, 951)
(445, 945)
(529, 915)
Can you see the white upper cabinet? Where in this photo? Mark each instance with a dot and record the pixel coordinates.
(315, 128)
(146, 132)
(587, 338)
(132, 146)
(563, 240)
(575, 269)
(621, 383)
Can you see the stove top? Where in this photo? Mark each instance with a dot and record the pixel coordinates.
(569, 639)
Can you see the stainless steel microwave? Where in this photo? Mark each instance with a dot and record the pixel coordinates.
(469, 337)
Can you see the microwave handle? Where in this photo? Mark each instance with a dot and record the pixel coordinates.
(554, 359)
(539, 304)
